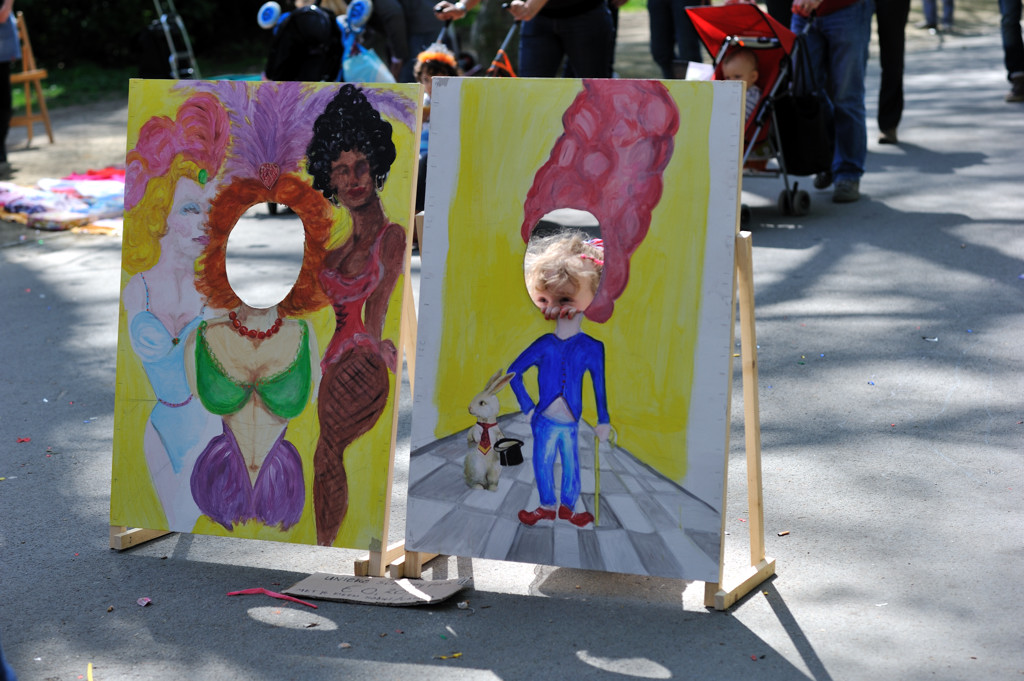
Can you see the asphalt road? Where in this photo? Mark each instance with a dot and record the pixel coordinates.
(891, 422)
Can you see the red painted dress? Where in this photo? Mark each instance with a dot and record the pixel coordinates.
(355, 386)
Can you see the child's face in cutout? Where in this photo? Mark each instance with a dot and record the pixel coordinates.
(427, 81)
(740, 68)
(563, 301)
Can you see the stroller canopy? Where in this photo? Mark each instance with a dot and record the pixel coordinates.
(716, 25)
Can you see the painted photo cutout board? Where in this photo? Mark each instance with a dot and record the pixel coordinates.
(543, 434)
(273, 420)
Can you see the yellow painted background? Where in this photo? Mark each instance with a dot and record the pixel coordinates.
(650, 340)
(133, 500)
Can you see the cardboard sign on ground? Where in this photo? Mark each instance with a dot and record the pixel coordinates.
(377, 590)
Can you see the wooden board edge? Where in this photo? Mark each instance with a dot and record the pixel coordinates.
(722, 599)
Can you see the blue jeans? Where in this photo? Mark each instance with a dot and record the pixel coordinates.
(1013, 43)
(586, 39)
(672, 35)
(6, 672)
(837, 45)
(930, 12)
(551, 438)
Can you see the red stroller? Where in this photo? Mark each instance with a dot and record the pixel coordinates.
(725, 26)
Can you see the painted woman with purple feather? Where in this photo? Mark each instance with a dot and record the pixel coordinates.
(257, 367)
(349, 158)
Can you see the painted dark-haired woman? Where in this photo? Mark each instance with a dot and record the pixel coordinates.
(349, 158)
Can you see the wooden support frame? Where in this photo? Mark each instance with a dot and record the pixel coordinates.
(716, 595)
(31, 77)
(123, 537)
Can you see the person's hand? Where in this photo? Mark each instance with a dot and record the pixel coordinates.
(603, 430)
(805, 7)
(447, 11)
(525, 10)
(560, 312)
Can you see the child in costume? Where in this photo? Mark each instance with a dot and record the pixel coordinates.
(562, 275)
(436, 60)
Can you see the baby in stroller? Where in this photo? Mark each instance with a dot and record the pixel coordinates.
(740, 63)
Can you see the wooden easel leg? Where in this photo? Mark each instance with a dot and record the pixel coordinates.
(28, 113)
(377, 563)
(43, 111)
(122, 537)
(761, 567)
(410, 565)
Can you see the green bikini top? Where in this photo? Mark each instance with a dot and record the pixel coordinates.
(285, 393)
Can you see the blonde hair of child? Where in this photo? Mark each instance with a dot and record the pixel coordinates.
(567, 258)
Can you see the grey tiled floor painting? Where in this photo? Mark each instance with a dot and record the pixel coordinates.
(646, 523)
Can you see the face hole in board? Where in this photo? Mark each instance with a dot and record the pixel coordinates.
(563, 264)
(264, 257)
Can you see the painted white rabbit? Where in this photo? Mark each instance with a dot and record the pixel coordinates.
(482, 468)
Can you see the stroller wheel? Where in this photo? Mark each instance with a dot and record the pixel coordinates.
(785, 202)
(272, 208)
(744, 214)
(801, 202)
(823, 179)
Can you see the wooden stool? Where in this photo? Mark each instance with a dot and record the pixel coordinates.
(30, 76)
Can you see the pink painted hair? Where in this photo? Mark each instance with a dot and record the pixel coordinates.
(199, 134)
(618, 139)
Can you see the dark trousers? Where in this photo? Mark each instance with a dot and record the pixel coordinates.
(891, 18)
(1013, 42)
(5, 107)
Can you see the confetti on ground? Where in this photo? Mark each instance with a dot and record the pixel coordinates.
(448, 657)
(871, 382)
(24, 439)
(272, 594)
(344, 644)
(142, 601)
(930, 339)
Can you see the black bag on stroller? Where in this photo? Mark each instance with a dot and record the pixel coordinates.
(306, 46)
(804, 120)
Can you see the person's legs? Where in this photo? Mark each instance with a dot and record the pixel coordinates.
(687, 41)
(848, 33)
(540, 49)
(5, 112)
(6, 672)
(891, 17)
(947, 13)
(659, 13)
(587, 40)
(1013, 42)
(928, 7)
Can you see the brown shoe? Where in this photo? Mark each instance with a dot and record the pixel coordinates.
(1016, 93)
(888, 136)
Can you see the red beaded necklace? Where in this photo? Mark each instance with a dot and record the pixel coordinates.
(253, 333)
